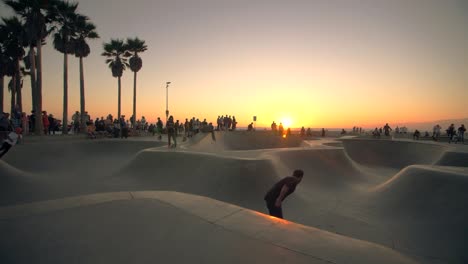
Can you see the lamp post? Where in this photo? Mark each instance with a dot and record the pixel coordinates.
(167, 100)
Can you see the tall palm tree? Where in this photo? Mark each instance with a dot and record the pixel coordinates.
(34, 15)
(13, 33)
(135, 46)
(2, 76)
(84, 30)
(3, 64)
(64, 14)
(117, 59)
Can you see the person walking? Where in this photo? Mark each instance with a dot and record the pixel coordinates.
(282, 189)
(171, 133)
(461, 133)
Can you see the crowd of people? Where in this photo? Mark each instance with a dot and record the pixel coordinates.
(23, 124)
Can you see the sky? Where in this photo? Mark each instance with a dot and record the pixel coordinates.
(312, 63)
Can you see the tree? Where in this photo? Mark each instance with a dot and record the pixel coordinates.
(135, 46)
(34, 14)
(117, 59)
(85, 30)
(13, 40)
(65, 17)
(4, 59)
(3, 63)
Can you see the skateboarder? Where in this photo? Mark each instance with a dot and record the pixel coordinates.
(275, 196)
(8, 143)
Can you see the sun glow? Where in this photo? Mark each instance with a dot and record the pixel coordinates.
(287, 122)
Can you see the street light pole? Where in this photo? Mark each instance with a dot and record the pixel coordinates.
(167, 100)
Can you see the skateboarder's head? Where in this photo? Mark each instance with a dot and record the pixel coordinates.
(298, 174)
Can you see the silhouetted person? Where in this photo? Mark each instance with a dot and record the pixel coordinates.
(436, 132)
(159, 128)
(171, 133)
(276, 195)
(376, 133)
(416, 134)
(280, 129)
(451, 132)
(387, 130)
(123, 127)
(250, 127)
(461, 133)
(273, 127)
(302, 132)
(323, 132)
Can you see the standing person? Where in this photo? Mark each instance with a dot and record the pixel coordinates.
(52, 124)
(159, 127)
(8, 143)
(45, 122)
(387, 129)
(276, 195)
(170, 126)
(461, 133)
(76, 122)
(123, 127)
(280, 129)
(436, 132)
(32, 121)
(451, 132)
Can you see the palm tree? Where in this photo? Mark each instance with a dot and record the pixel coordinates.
(2, 76)
(13, 33)
(3, 70)
(117, 56)
(135, 46)
(84, 30)
(34, 16)
(64, 14)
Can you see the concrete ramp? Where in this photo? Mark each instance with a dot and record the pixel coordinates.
(234, 180)
(169, 227)
(428, 205)
(325, 168)
(16, 184)
(454, 158)
(394, 154)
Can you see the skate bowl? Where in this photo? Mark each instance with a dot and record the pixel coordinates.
(396, 201)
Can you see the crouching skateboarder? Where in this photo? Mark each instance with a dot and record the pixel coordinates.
(275, 196)
(10, 141)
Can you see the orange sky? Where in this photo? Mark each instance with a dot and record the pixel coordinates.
(317, 63)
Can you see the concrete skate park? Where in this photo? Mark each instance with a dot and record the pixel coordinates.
(72, 200)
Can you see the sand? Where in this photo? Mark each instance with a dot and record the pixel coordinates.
(68, 199)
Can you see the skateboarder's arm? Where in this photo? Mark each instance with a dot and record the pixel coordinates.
(284, 191)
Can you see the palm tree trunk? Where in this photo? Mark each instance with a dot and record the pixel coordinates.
(82, 98)
(118, 103)
(13, 95)
(2, 87)
(65, 94)
(32, 61)
(134, 98)
(19, 97)
(39, 125)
